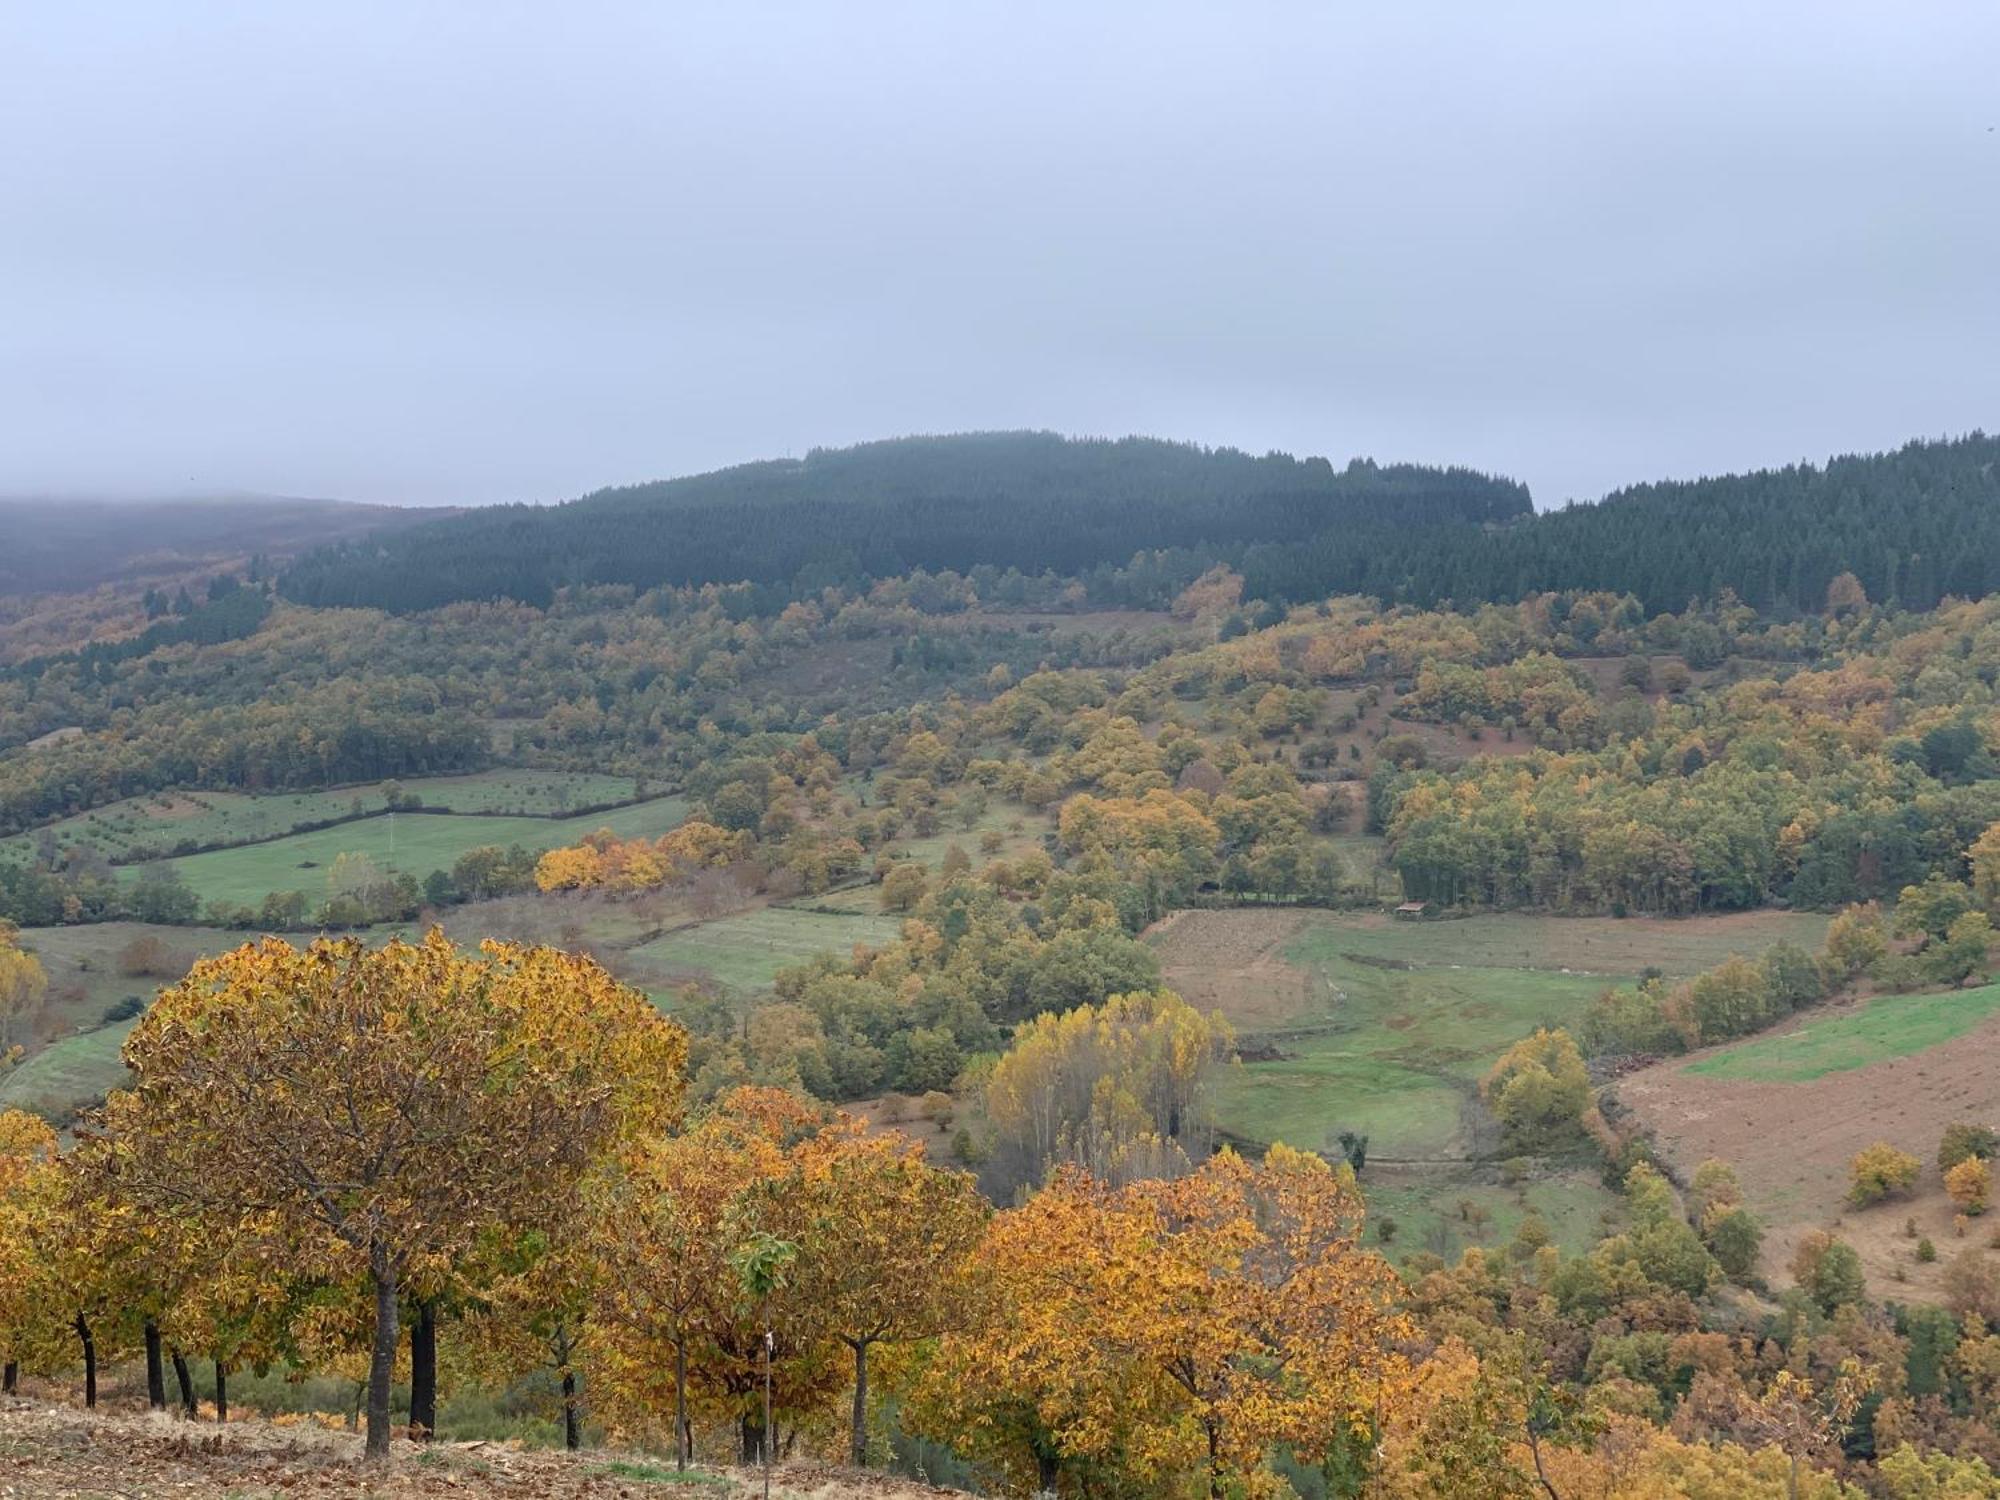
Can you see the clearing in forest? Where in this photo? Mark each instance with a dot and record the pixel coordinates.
(746, 951)
(1384, 1028)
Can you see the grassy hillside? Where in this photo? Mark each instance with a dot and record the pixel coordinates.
(154, 827)
(1886, 1027)
(415, 842)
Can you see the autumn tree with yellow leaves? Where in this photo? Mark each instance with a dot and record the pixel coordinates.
(882, 1240)
(375, 1112)
(1171, 1329)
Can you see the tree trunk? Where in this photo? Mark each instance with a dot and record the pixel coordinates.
(1048, 1469)
(683, 1434)
(89, 1361)
(751, 1437)
(382, 1360)
(221, 1391)
(859, 1446)
(185, 1381)
(8, 1376)
(572, 1434)
(423, 1373)
(156, 1372)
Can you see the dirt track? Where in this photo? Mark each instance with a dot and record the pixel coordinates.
(1791, 1144)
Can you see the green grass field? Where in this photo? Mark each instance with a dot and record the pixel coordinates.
(72, 1072)
(1399, 1055)
(86, 978)
(746, 951)
(416, 842)
(1428, 1212)
(1408, 1016)
(151, 827)
(1886, 1027)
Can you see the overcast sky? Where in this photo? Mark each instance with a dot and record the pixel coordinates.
(451, 253)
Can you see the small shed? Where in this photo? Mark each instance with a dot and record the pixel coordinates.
(1409, 911)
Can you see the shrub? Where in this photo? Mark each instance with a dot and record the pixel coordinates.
(123, 1010)
(1972, 1285)
(1538, 1091)
(1829, 1271)
(1963, 1140)
(1926, 1251)
(1970, 1183)
(1734, 1240)
(1880, 1171)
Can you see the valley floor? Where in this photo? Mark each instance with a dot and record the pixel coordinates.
(49, 1451)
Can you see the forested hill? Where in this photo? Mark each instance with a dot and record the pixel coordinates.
(1913, 525)
(1032, 501)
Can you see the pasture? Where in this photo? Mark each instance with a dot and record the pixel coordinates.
(1385, 1028)
(1791, 1109)
(68, 1074)
(72, 1057)
(1885, 1027)
(416, 842)
(151, 827)
(1446, 1213)
(746, 951)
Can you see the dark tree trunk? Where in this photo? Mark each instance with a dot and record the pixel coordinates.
(184, 1379)
(382, 1358)
(683, 1432)
(753, 1437)
(221, 1391)
(859, 1447)
(1048, 1468)
(423, 1372)
(572, 1433)
(8, 1377)
(156, 1372)
(89, 1360)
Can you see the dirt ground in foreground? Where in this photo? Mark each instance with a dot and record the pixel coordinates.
(1233, 961)
(49, 1451)
(1791, 1144)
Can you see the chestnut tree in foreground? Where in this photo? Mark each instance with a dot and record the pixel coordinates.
(375, 1112)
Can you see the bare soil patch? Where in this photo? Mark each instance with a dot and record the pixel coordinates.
(52, 1451)
(1791, 1144)
(1233, 961)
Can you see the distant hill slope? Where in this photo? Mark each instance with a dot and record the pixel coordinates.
(1913, 525)
(1027, 500)
(62, 545)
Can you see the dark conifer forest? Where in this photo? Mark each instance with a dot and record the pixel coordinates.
(1029, 501)
(1913, 525)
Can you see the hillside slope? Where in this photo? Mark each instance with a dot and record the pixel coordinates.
(60, 545)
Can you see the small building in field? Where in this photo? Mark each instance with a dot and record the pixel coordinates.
(1409, 911)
